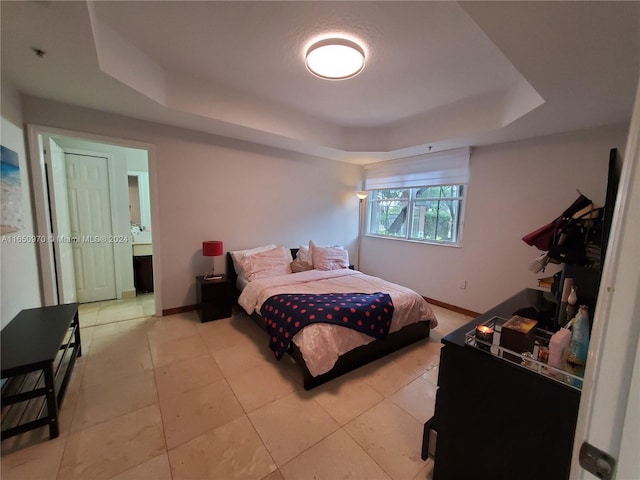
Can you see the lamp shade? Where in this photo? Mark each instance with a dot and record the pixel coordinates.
(212, 248)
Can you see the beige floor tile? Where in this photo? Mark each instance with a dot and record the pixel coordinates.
(426, 472)
(157, 468)
(89, 307)
(431, 375)
(261, 385)
(86, 338)
(231, 451)
(345, 399)
(390, 436)
(290, 425)
(118, 312)
(35, 462)
(67, 410)
(448, 321)
(87, 318)
(418, 399)
(168, 351)
(126, 327)
(242, 357)
(113, 447)
(119, 337)
(184, 375)
(115, 357)
(229, 332)
(104, 401)
(388, 375)
(148, 302)
(419, 358)
(172, 327)
(276, 475)
(336, 456)
(192, 413)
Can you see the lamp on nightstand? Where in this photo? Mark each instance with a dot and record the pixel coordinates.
(212, 248)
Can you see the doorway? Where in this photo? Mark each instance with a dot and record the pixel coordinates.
(78, 176)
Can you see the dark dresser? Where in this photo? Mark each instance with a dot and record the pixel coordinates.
(214, 298)
(498, 419)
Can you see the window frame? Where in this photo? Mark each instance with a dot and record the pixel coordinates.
(411, 201)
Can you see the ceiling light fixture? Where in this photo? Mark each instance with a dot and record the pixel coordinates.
(335, 59)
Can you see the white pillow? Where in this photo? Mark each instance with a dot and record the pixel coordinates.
(269, 263)
(329, 258)
(238, 255)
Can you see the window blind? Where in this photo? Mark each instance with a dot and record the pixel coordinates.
(450, 167)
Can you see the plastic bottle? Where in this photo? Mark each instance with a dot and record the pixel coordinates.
(579, 346)
(559, 348)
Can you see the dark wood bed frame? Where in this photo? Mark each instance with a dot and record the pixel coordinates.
(353, 359)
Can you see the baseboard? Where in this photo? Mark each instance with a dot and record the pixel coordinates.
(129, 293)
(186, 308)
(453, 308)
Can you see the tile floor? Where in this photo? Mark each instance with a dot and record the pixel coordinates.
(172, 398)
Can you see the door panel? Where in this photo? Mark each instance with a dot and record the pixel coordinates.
(61, 223)
(90, 218)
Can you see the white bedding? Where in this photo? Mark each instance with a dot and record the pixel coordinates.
(321, 344)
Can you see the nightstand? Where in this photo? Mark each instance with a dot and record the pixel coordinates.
(214, 298)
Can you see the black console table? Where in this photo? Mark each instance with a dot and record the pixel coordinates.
(497, 419)
(39, 350)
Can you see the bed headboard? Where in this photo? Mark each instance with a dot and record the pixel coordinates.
(232, 275)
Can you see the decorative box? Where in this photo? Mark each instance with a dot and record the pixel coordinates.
(518, 334)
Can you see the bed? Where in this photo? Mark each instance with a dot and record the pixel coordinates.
(325, 351)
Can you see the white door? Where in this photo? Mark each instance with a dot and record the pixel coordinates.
(60, 223)
(90, 214)
(609, 416)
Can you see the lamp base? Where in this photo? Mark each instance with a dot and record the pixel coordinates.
(212, 276)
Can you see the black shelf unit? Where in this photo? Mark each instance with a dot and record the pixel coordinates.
(39, 350)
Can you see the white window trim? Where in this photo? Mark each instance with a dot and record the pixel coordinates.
(410, 201)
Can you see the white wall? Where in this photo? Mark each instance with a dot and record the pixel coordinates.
(214, 188)
(514, 189)
(19, 275)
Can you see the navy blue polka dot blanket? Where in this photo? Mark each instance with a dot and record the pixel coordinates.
(286, 314)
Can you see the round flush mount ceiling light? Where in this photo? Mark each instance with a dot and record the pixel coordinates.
(335, 59)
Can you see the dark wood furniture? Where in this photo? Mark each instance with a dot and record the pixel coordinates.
(351, 360)
(39, 350)
(143, 273)
(495, 419)
(214, 298)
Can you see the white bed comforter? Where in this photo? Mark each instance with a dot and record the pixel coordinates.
(321, 344)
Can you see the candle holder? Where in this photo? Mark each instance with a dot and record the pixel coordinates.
(485, 334)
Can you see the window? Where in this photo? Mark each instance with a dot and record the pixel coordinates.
(418, 198)
(428, 214)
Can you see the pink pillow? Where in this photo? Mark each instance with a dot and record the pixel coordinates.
(297, 266)
(270, 263)
(329, 258)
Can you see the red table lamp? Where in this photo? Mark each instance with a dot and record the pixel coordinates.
(212, 248)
